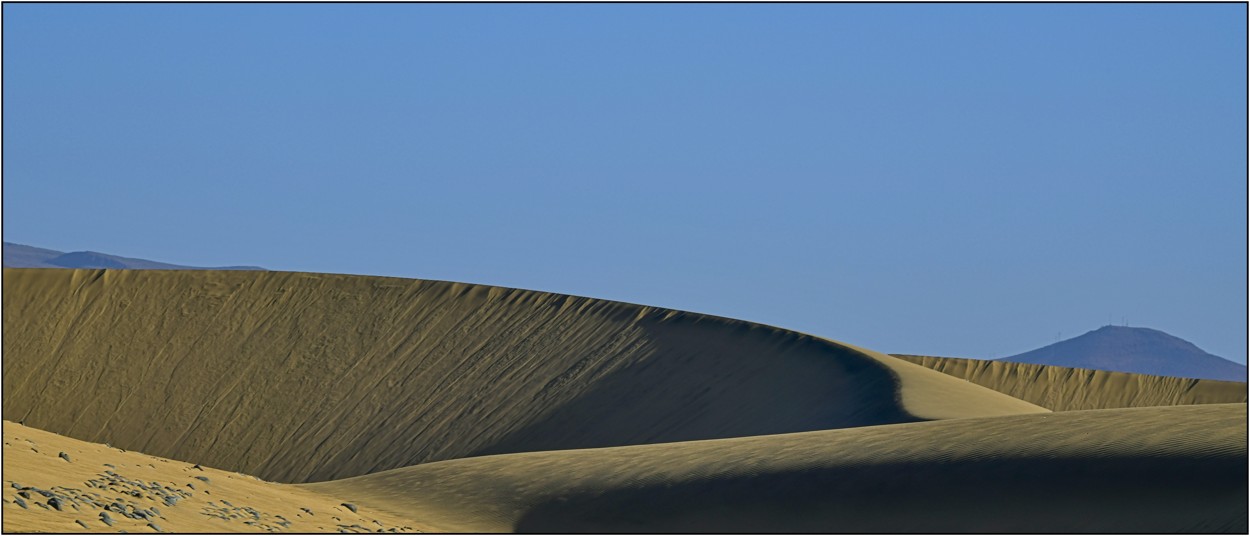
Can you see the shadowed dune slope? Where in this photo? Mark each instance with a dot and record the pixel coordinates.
(1144, 470)
(1065, 389)
(298, 377)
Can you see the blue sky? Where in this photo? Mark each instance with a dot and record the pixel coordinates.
(962, 180)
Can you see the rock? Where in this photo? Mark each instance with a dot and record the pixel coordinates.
(106, 518)
(65, 457)
(84, 525)
(55, 503)
(350, 506)
(197, 466)
(20, 502)
(203, 479)
(155, 527)
(307, 510)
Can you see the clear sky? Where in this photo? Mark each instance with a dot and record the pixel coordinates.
(961, 180)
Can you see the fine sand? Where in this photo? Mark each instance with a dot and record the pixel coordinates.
(367, 404)
(1168, 469)
(298, 377)
(1065, 389)
(1172, 469)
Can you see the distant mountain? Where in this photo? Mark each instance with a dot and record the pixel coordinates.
(20, 256)
(1138, 350)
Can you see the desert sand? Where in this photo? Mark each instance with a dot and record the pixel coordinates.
(1171, 469)
(1065, 389)
(140, 493)
(440, 406)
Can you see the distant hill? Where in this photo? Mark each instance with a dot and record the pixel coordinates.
(20, 256)
(1137, 350)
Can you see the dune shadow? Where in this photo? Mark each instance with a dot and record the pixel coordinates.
(1022, 495)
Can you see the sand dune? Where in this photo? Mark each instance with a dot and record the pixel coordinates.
(1170, 469)
(1166, 469)
(297, 377)
(441, 406)
(1065, 389)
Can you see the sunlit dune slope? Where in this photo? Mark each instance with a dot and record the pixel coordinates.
(298, 377)
(1145, 470)
(1065, 389)
(94, 485)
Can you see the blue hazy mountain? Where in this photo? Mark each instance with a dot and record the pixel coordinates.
(20, 256)
(1139, 350)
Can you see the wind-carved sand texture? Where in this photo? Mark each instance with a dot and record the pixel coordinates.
(297, 377)
(1065, 389)
(424, 405)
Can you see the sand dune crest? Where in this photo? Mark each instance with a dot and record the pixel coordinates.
(297, 377)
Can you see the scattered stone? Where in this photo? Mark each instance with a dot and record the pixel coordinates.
(203, 479)
(307, 510)
(350, 506)
(65, 457)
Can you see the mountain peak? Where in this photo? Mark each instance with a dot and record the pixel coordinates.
(1135, 349)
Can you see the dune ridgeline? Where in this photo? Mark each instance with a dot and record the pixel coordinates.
(438, 406)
